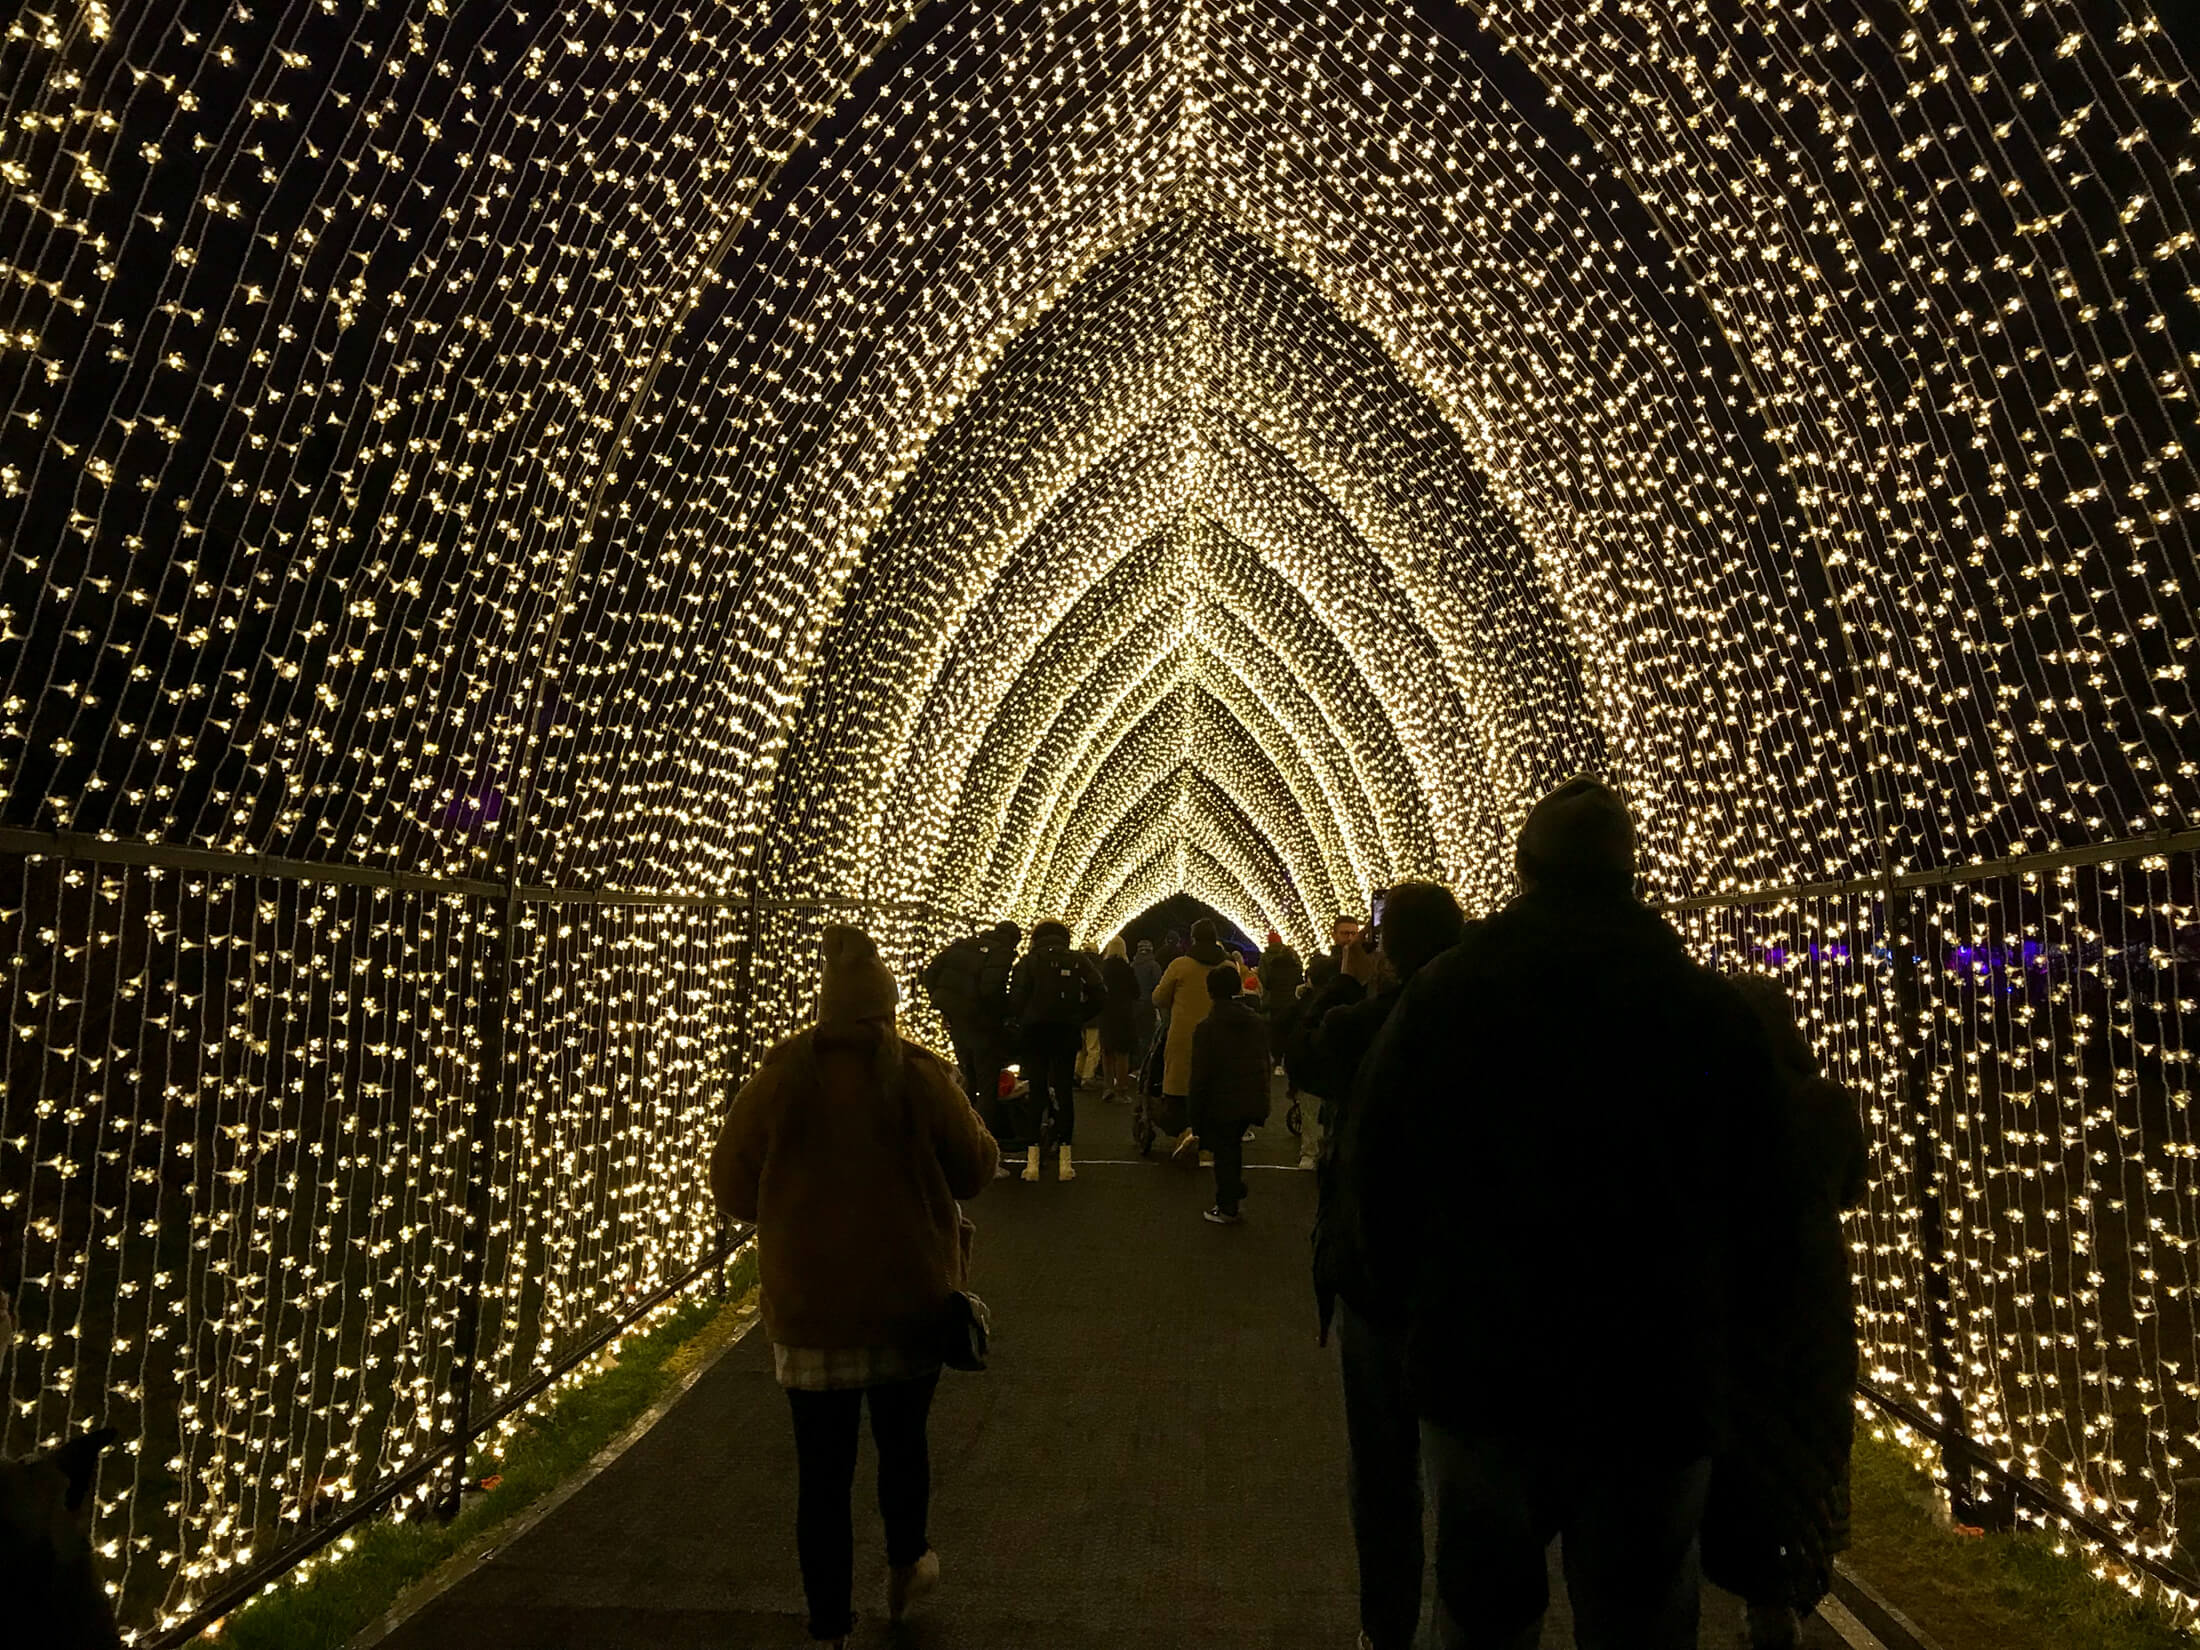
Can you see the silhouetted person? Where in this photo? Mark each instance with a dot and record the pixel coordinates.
(1119, 1018)
(1779, 1505)
(848, 1149)
(968, 985)
(1281, 975)
(1557, 1151)
(1053, 994)
(1229, 1085)
(1147, 967)
(1383, 1481)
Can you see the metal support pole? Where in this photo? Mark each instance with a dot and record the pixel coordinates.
(488, 1100)
(1975, 1493)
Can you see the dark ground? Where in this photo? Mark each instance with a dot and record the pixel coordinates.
(1154, 1461)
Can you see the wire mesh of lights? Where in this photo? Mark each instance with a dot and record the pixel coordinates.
(1244, 448)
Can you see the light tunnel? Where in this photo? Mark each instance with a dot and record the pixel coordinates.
(517, 516)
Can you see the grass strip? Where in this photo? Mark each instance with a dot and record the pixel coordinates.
(348, 1592)
(1994, 1592)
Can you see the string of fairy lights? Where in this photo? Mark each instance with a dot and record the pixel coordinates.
(1032, 460)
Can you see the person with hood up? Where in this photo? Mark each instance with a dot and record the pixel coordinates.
(1229, 1085)
(1052, 995)
(1182, 996)
(1779, 1504)
(1281, 975)
(1558, 1158)
(847, 1150)
(1118, 1019)
(968, 986)
(1382, 1440)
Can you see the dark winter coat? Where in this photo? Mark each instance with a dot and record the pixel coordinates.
(1230, 1068)
(1119, 1006)
(1779, 1504)
(968, 984)
(1032, 997)
(1301, 1058)
(1145, 1017)
(1336, 1048)
(1281, 974)
(1559, 1154)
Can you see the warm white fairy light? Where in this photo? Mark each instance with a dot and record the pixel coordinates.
(1224, 446)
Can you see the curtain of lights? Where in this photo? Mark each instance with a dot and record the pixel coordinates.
(516, 515)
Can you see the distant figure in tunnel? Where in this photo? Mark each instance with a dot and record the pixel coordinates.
(1119, 1018)
(1229, 1085)
(1182, 997)
(1559, 1159)
(848, 1150)
(1147, 967)
(1054, 993)
(1382, 1440)
(968, 985)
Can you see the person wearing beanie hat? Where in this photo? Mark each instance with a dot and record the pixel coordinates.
(847, 1150)
(1578, 836)
(1559, 1159)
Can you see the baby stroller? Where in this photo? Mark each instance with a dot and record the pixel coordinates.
(1156, 1113)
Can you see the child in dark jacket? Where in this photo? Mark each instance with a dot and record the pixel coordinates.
(1230, 1072)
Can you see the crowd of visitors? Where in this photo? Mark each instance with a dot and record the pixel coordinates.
(1577, 1234)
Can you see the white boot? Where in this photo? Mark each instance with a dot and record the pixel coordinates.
(1063, 1168)
(1031, 1165)
(907, 1583)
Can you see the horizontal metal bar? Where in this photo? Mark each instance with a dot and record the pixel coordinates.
(242, 1588)
(2039, 1496)
(2050, 859)
(82, 846)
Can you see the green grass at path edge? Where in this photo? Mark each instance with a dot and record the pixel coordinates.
(346, 1595)
(1993, 1592)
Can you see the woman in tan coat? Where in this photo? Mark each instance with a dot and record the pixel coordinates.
(1182, 997)
(848, 1149)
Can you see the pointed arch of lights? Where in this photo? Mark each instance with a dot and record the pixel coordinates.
(1055, 455)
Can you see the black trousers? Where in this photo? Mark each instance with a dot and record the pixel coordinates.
(1050, 1065)
(1227, 1142)
(978, 1054)
(826, 1427)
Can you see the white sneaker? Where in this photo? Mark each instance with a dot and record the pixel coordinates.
(1031, 1165)
(1063, 1168)
(907, 1583)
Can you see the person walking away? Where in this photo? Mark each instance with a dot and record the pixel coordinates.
(1052, 995)
(1229, 1085)
(848, 1149)
(1118, 1018)
(1382, 1437)
(1280, 978)
(968, 986)
(1182, 996)
(1778, 1511)
(1558, 1157)
(1339, 986)
(1147, 967)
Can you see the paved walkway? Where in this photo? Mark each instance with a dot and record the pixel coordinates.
(1154, 1462)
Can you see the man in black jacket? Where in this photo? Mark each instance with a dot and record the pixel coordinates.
(1231, 1069)
(968, 985)
(1383, 1477)
(1550, 1159)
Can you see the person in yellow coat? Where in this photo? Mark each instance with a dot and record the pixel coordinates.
(1182, 997)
